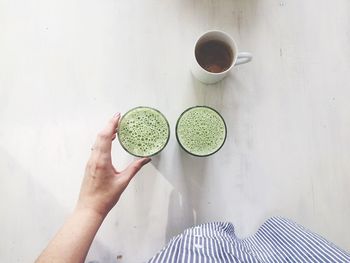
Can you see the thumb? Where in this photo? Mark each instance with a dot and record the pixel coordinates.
(135, 166)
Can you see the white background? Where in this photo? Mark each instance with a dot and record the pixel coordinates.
(66, 66)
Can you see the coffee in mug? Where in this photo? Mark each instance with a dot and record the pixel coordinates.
(215, 54)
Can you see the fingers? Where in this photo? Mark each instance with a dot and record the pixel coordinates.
(104, 139)
(111, 127)
(134, 167)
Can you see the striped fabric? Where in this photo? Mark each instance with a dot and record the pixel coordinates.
(277, 240)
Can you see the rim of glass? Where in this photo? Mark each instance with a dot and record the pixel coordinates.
(178, 140)
(150, 108)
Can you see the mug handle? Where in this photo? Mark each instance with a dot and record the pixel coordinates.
(243, 57)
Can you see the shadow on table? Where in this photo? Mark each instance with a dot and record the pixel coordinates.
(190, 178)
(40, 212)
(234, 99)
(231, 16)
(184, 203)
(224, 95)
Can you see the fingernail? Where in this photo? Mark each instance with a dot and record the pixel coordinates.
(116, 115)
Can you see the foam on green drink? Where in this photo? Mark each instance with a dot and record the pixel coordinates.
(143, 131)
(201, 131)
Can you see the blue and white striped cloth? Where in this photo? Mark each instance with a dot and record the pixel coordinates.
(277, 240)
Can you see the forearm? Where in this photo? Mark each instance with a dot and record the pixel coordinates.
(101, 189)
(72, 242)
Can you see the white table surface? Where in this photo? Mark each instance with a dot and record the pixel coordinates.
(66, 66)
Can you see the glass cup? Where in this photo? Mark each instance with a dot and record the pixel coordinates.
(143, 131)
(201, 131)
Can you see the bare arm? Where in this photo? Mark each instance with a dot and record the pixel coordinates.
(101, 189)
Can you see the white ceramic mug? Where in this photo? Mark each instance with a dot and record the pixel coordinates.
(208, 77)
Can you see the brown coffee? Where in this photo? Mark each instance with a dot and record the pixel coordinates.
(214, 56)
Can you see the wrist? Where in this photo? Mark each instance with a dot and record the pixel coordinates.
(89, 213)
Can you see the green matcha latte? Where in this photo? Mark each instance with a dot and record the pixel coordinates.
(201, 131)
(143, 131)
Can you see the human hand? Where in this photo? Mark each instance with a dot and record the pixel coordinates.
(102, 184)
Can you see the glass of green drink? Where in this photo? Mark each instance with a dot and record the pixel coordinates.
(201, 131)
(143, 131)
